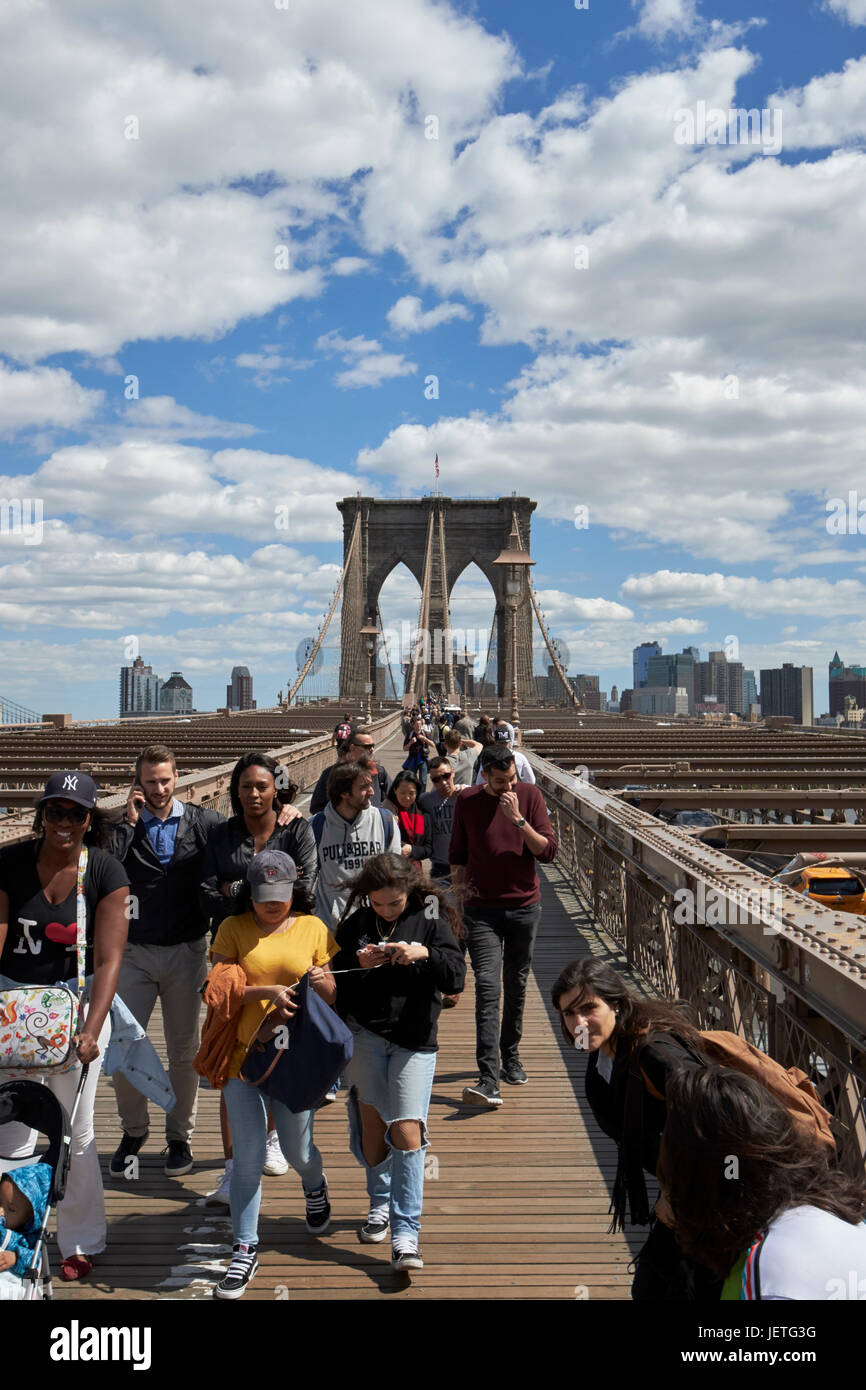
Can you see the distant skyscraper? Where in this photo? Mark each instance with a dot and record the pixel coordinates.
(846, 680)
(640, 661)
(139, 689)
(750, 690)
(674, 670)
(239, 693)
(788, 691)
(734, 681)
(176, 695)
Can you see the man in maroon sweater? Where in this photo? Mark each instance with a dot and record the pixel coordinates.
(499, 831)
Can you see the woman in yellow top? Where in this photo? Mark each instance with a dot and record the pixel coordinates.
(275, 948)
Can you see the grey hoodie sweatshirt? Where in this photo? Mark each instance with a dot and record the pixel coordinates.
(343, 848)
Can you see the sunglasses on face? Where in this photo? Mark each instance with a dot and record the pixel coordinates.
(367, 747)
(77, 814)
(446, 777)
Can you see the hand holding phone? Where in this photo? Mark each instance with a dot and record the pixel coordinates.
(134, 803)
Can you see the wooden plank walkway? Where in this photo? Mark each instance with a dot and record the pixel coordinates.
(515, 1201)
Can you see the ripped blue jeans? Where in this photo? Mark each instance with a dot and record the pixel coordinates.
(397, 1083)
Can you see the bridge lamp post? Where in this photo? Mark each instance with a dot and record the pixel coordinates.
(516, 561)
(369, 632)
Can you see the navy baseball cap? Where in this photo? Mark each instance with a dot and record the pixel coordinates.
(271, 876)
(71, 786)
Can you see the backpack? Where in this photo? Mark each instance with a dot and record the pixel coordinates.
(318, 823)
(791, 1088)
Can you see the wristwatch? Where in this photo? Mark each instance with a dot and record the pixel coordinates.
(520, 823)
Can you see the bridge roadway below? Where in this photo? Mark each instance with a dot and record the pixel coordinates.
(517, 1208)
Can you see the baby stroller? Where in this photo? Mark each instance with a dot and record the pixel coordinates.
(32, 1104)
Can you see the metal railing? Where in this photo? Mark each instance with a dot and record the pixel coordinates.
(801, 998)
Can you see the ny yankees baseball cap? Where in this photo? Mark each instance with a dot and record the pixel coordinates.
(271, 876)
(71, 786)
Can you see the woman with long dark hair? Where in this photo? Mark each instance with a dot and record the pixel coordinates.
(398, 928)
(38, 945)
(416, 834)
(753, 1197)
(631, 1040)
(258, 791)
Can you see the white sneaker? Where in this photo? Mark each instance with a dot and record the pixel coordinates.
(220, 1196)
(275, 1163)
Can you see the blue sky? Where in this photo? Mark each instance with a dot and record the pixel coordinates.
(667, 334)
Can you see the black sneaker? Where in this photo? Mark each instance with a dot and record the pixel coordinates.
(375, 1228)
(125, 1149)
(239, 1273)
(483, 1093)
(513, 1073)
(406, 1255)
(318, 1209)
(179, 1159)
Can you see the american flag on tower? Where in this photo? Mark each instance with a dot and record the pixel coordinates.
(436, 463)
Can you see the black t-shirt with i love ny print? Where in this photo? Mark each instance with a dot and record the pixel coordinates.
(40, 940)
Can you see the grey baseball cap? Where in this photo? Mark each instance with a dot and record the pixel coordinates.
(271, 876)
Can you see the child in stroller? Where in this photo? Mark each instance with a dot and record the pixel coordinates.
(23, 1200)
(29, 1189)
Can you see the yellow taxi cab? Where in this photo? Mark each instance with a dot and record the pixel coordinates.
(838, 888)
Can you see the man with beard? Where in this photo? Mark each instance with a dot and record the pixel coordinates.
(500, 829)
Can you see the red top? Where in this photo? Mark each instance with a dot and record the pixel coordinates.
(500, 869)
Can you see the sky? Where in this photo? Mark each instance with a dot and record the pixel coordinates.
(260, 255)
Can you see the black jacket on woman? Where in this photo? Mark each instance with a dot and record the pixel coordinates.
(229, 851)
(399, 1002)
(631, 1116)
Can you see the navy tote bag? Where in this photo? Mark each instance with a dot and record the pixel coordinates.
(318, 1047)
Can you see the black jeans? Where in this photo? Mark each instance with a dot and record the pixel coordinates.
(500, 943)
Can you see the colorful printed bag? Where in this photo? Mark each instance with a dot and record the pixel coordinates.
(39, 1023)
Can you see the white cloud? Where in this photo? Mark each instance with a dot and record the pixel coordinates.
(368, 364)
(350, 265)
(164, 417)
(152, 164)
(154, 488)
(852, 10)
(270, 367)
(659, 18)
(620, 435)
(44, 397)
(750, 596)
(406, 316)
(562, 607)
(829, 111)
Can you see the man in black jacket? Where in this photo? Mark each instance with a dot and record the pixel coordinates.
(160, 843)
(360, 744)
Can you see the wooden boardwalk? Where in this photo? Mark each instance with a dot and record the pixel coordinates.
(515, 1200)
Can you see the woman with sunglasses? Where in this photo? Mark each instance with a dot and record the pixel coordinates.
(38, 936)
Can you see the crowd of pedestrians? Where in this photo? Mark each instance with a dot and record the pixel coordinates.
(373, 902)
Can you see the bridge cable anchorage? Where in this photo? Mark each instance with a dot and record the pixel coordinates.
(487, 678)
(418, 661)
(569, 689)
(387, 653)
(321, 637)
(447, 653)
